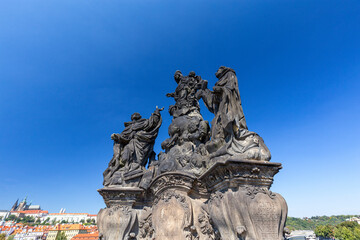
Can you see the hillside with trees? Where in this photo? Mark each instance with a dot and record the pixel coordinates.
(327, 227)
(344, 231)
(293, 223)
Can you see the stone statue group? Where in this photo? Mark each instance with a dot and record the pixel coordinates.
(210, 182)
(189, 133)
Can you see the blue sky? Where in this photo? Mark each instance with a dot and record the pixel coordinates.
(71, 72)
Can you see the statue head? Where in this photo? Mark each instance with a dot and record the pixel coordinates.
(222, 71)
(192, 74)
(219, 71)
(135, 116)
(177, 76)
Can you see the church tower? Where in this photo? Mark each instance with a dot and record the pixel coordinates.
(14, 207)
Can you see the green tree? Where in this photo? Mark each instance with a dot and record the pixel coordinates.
(60, 236)
(325, 231)
(2, 236)
(11, 218)
(357, 233)
(11, 237)
(311, 223)
(344, 233)
(348, 224)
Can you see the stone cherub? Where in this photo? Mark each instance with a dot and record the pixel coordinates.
(133, 147)
(184, 94)
(187, 124)
(188, 130)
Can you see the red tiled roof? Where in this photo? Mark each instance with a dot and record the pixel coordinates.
(68, 214)
(65, 227)
(86, 236)
(30, 211)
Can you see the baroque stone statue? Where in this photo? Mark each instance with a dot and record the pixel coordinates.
(229, 132)
(133, 148)
(210, 183)
(188, 130)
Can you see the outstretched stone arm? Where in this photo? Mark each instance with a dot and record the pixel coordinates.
(208, 98)
(170, 94)
(154, 120)
(158, 110)
(118, 137)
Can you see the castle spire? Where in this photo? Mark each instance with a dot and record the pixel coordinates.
(15, 205)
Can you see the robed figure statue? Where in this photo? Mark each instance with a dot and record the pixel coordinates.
(229, 132)
(133, 148)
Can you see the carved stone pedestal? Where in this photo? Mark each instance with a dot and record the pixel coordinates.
(119, 220)
(230, 201)
(241, 206)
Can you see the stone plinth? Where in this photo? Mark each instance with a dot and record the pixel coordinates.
(241, 206)
(121, 195)
(231, 200)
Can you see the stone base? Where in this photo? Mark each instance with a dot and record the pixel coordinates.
(230, 201)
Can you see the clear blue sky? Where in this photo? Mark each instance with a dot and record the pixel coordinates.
(71, 72)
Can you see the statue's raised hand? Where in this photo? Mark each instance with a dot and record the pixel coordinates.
(157, 110)
(113, 136)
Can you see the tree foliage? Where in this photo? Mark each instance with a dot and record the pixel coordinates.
(311, 223)
(60, 236)
(11, 218)
(325, 231)
(342, 231)
(27, 219)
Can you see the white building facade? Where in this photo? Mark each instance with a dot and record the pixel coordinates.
(68, 217)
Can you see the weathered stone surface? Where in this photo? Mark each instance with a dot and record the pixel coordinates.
(172, 216)
(252, 213)
(209, 184)
(133, 149)
(229, 133)
(232, 173)
(121, 195)
(117, 222)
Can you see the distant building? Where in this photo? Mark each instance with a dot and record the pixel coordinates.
(354, 219)
(69, 217)
(30, 213)
(14, 207)
(70, 231)
(29, 235)
(25, 209)
(4, 214)
(302, 234)
(88, 236)
(23, 205)
(7, 230)
(24, 232)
